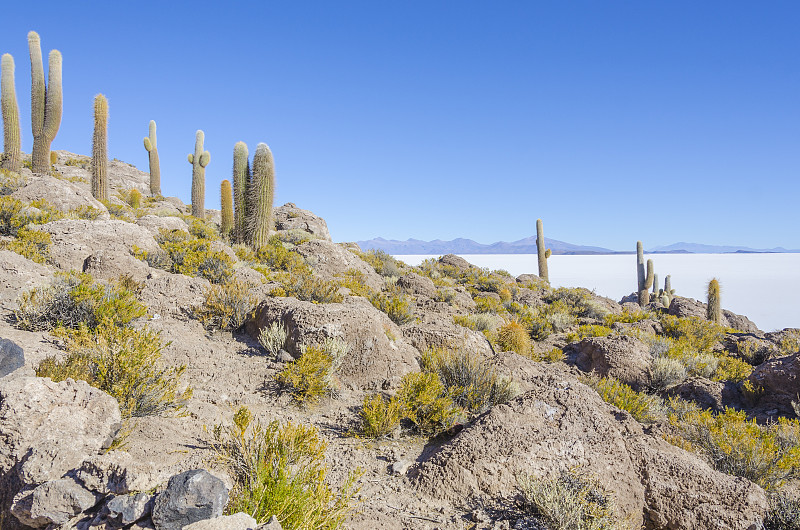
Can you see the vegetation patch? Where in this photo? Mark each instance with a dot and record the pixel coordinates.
(380, 416)
(513, 336)
(312, 376)
(226, 306)
(643, 407)
(189, 255)
(427, 405)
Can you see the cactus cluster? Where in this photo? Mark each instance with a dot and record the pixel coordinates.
(199, 160)
(542, 254)
(151, 145)
(46, 103)
(254, 193)
(714, 308)
(668, 293)
(100, 149)
(644, 275)
(12, 159)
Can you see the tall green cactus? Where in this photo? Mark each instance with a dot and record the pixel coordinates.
(655, 283)
(241, 182)
(12, 158)
(645, 276)
(226, 199)
(199, 160)
(100, 149)
(542, 254)
(714, 308)
(151, 145)
(46, 103)
(261, 196)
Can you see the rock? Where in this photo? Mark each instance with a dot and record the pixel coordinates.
(431, 331)
(400, 467)
(12, 358)
(54, 502)
(632, 298)
(62, 194)
(455, 261)
(528, 278)
(373, 357)
(715, 395)
(777, 382)
(620, 356)
(739, 322)
(124, 176)
(73, 241)
(123, 510)
(154, 223)
(529, 297)
(417, 285)
(173, 294)
(18, 274)
(329, 261)
(272, 524)
(290, 217)
(189, 497)
(237, 521)
(689, 307)
(119, 473)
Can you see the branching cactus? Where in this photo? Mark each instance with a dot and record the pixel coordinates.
(151, 145)
(260, 196)
(241, 182)
(199, 160)
(226, 199)
(46, 103)
(714, 308)
(541, 252)
(645, 276)
(12, 159)
(100, 149)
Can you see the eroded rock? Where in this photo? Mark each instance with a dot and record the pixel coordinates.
(189, 497)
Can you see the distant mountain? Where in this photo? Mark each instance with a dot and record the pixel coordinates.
(468, 246)
(699, 248)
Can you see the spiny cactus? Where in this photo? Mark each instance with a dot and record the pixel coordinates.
(151, 145)
(241, 182)
(100, 149)
(226, 199)
(645, 276)
(53, 158)
(655, 283)
(714, 309)
(541, 252)
(46, 101)
(199, 160)
(12, 159)
(260, 196)
(668, 293)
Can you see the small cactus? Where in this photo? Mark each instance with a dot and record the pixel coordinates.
(655, 284)
(541, 252)
(46, 103)
(199, 160)
(261, 196)
(714, 309)
(645, 275)
(669, 293)
(151, 145)
(12, 159)
(241, 182)
(226, 199)
(100, 149)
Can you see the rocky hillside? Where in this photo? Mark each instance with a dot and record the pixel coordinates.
(140, 389)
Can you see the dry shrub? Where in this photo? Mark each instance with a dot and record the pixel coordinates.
(312, 376)
(273, 338)
(426, 403)
(226, 306)
(513, 336)
(380, 416)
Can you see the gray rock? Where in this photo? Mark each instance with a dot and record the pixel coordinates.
(18, 274)
(621, 356)
(272, 524)
(62, 194)
(455, 261)
(12, 357)
(126, 509)
(119, 473)
(418, 285)
(290, 217)
(155, 223)
(237, 521)
(55, 501)
(190, 497)
(329, 261)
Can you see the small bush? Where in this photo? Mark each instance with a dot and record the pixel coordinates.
(666, 373)
(278, 258)
(628, 317)
(33, 244)
(697, 333)
(10, 181)
(312, 376)
(397, 307)
(488, 304)
(423, 396)
(552, 355)
(280, 470)
(380, 416)
(783, 514)
(731, 369)
(383, 263)
(226, 306)
(354, 281)
(192, 256)
(643, 407)
(589, 330)
(273, 338)
(514, 337)
(479, 321)
(303, 285)
(445, 294)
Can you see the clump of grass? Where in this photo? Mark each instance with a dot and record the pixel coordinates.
(10, 181)
(312, 376)
(303, 285)
(354, 281)
(280, 470)
(553, 355)
(589, 330)
(666, 373)
(380, 416)
(513, 336)
(479, 322)
(731, 369)
(697, 333)
(643, 407)
(427, 405)
(277, 257)
(226, 306)
(488, 304)
(273, 338)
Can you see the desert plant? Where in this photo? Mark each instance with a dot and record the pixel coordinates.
(383, 263)
(714, 309)
(151, 145)
(553, 355)
(100, 149)
(669, 293)
(46, 103)
(33, 244)
(514, 337)
(380, 416)
(643, 407)
(645, 276)
(12, 158)
(199, 160)
(479, 321)
(303, 285)
(666, 373)
(426, 403)
(189, 255)
(241, 183)
(10, 181)
(261, 196)
(310, 377)
(731, 369)
(784, 512)
(135, 199)
(542, 254)
(226, 306)
(226, 214)
(397, 307)
(273, 337)
(280, 470)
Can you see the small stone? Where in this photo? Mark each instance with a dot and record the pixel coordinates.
(189, 497)
(126, 509)
(400, 467)
(272, 524)
(12, 357)
(237, 521)
(284, 356)
(480, 516)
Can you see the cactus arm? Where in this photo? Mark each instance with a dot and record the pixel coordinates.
(205, 158)
(54, 97)
(648, 281)
(147, 145)
(12, 155)
(541, 251)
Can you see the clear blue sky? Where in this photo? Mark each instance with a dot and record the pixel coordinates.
(612, 121)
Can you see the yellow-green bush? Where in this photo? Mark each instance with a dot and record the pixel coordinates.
(488, 304)
(380, 416)
(226, 306)
(10, 181)
(479, 322)
(552, 355)
(310, 377)
(699, 334)
(33, 244)
(513, 336)
(784, 512)
(643, 407)
(278, 258)
(354, 281)
(589, 330)
(396, 306)
(383, 263)
(627, 317)
(423, 396)
(280, 470)
(303, 285)
(191, 256)
(731, 369)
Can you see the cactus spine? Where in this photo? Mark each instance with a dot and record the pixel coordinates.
(100, 149)
(46, 101)
(199, 160)
(541, 252)
(714, 309)
(645, 276)
(261, 195)
(151, 145)
(12, 159)
(226, 199)
(241, 183)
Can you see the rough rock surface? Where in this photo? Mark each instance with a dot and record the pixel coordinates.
(432, 331)
(417, 285)
(778, 381)
(18, 274)
(54, 502)
(12, 358)
(374, 359)
(689, 307)
(330, 260)
(290, 217)
(715, 395)
(62, 194)
(123, 510)
(173, 294)
(236, 521)
(120, 473)
(621, 356)
(189, 497)
(455, 261)
(155, 223)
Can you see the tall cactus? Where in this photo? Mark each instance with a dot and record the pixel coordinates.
(668, 293)
(714, 308)
(46, 102)
(655, 283)
(241, 182)
(645, 276)
(541, 252)
(226, 199)
(12, 159)
(100, 149)
(261, 196)
(151, 145)
(199, 160)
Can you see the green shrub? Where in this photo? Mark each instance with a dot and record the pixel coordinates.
(354, 281)
(552, 355)
(191, 256)
(380, 416)
(479, 322)
(33, 244)
(514, 337)
(643, 407)
(277, 257)
(273, 338)
(423, 396)
(303, 285)
(488, 304)
(226, 306)
(383, 263)
(731, 369)
(589, 330)
(10, 181)
(396, 306)
(280, 470)
(697, 333)
(627, 316)
(312, 376)
(124, 362)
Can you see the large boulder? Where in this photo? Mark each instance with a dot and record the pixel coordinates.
(18, 274)
(174, 295)
(156, 223)
(417, 285)
(378, 356)
(777, 382)
(434, 331)
(714, 395)
(689, 307)
(119, 473)
(620, 356)
(62, 194)
(455, 261)
(329, 261)
(290, 217)
(12, 358)
(189, 497)
(54, 502)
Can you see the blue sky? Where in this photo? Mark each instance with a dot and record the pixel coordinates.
(612, 121)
